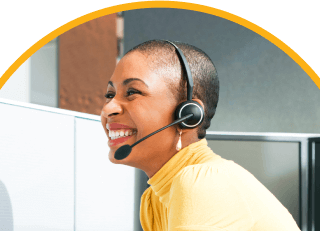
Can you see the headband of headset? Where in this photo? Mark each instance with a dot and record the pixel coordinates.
(185, 65)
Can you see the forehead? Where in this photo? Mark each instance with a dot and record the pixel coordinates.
(135, 65)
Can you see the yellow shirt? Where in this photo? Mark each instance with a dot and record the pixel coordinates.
(198, 190)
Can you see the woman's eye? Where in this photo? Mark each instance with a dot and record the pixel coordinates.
(109, 95)
(132, 92)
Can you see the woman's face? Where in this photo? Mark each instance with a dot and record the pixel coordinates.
(138, 102)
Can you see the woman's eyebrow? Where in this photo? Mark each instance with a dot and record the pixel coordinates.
(127, 81)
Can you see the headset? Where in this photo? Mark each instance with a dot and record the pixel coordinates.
(189, 114)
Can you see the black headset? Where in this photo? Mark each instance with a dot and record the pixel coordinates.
(190, 106)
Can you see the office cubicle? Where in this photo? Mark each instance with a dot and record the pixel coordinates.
(55, 173)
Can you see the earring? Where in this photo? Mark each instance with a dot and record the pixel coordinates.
(179, 145)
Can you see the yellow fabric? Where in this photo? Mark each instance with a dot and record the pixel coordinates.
(198, 190)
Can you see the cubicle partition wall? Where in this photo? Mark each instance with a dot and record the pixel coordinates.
(55, 173)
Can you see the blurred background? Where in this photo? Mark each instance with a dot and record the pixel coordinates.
(261, 90)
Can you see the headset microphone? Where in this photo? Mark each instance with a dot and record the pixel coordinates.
(188, 114)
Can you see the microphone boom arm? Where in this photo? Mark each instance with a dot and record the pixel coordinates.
(175, 122)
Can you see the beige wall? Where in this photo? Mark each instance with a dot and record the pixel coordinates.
(87, 58)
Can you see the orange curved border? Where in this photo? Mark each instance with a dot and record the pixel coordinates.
(160, 4)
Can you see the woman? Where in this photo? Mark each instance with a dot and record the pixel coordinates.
(191, 188)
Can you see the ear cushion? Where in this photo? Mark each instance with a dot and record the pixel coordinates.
(190, 107)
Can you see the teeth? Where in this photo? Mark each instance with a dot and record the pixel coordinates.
(120, 133)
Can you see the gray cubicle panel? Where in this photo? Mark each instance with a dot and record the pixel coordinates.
(55, 173)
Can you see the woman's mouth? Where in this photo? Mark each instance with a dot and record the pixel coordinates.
(120, 136)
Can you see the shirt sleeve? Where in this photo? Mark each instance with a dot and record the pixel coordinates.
(203, 197)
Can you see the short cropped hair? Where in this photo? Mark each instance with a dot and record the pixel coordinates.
(165, 62)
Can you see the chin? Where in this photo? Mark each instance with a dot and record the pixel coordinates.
(111, 157)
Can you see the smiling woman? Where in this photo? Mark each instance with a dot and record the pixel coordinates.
(192, 188)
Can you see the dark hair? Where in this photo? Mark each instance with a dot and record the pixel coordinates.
(205, 78)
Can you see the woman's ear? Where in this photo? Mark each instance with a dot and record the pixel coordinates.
(200, 102)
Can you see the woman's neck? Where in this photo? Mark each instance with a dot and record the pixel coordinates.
(151, 167)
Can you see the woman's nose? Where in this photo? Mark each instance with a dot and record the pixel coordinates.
(112, 108)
